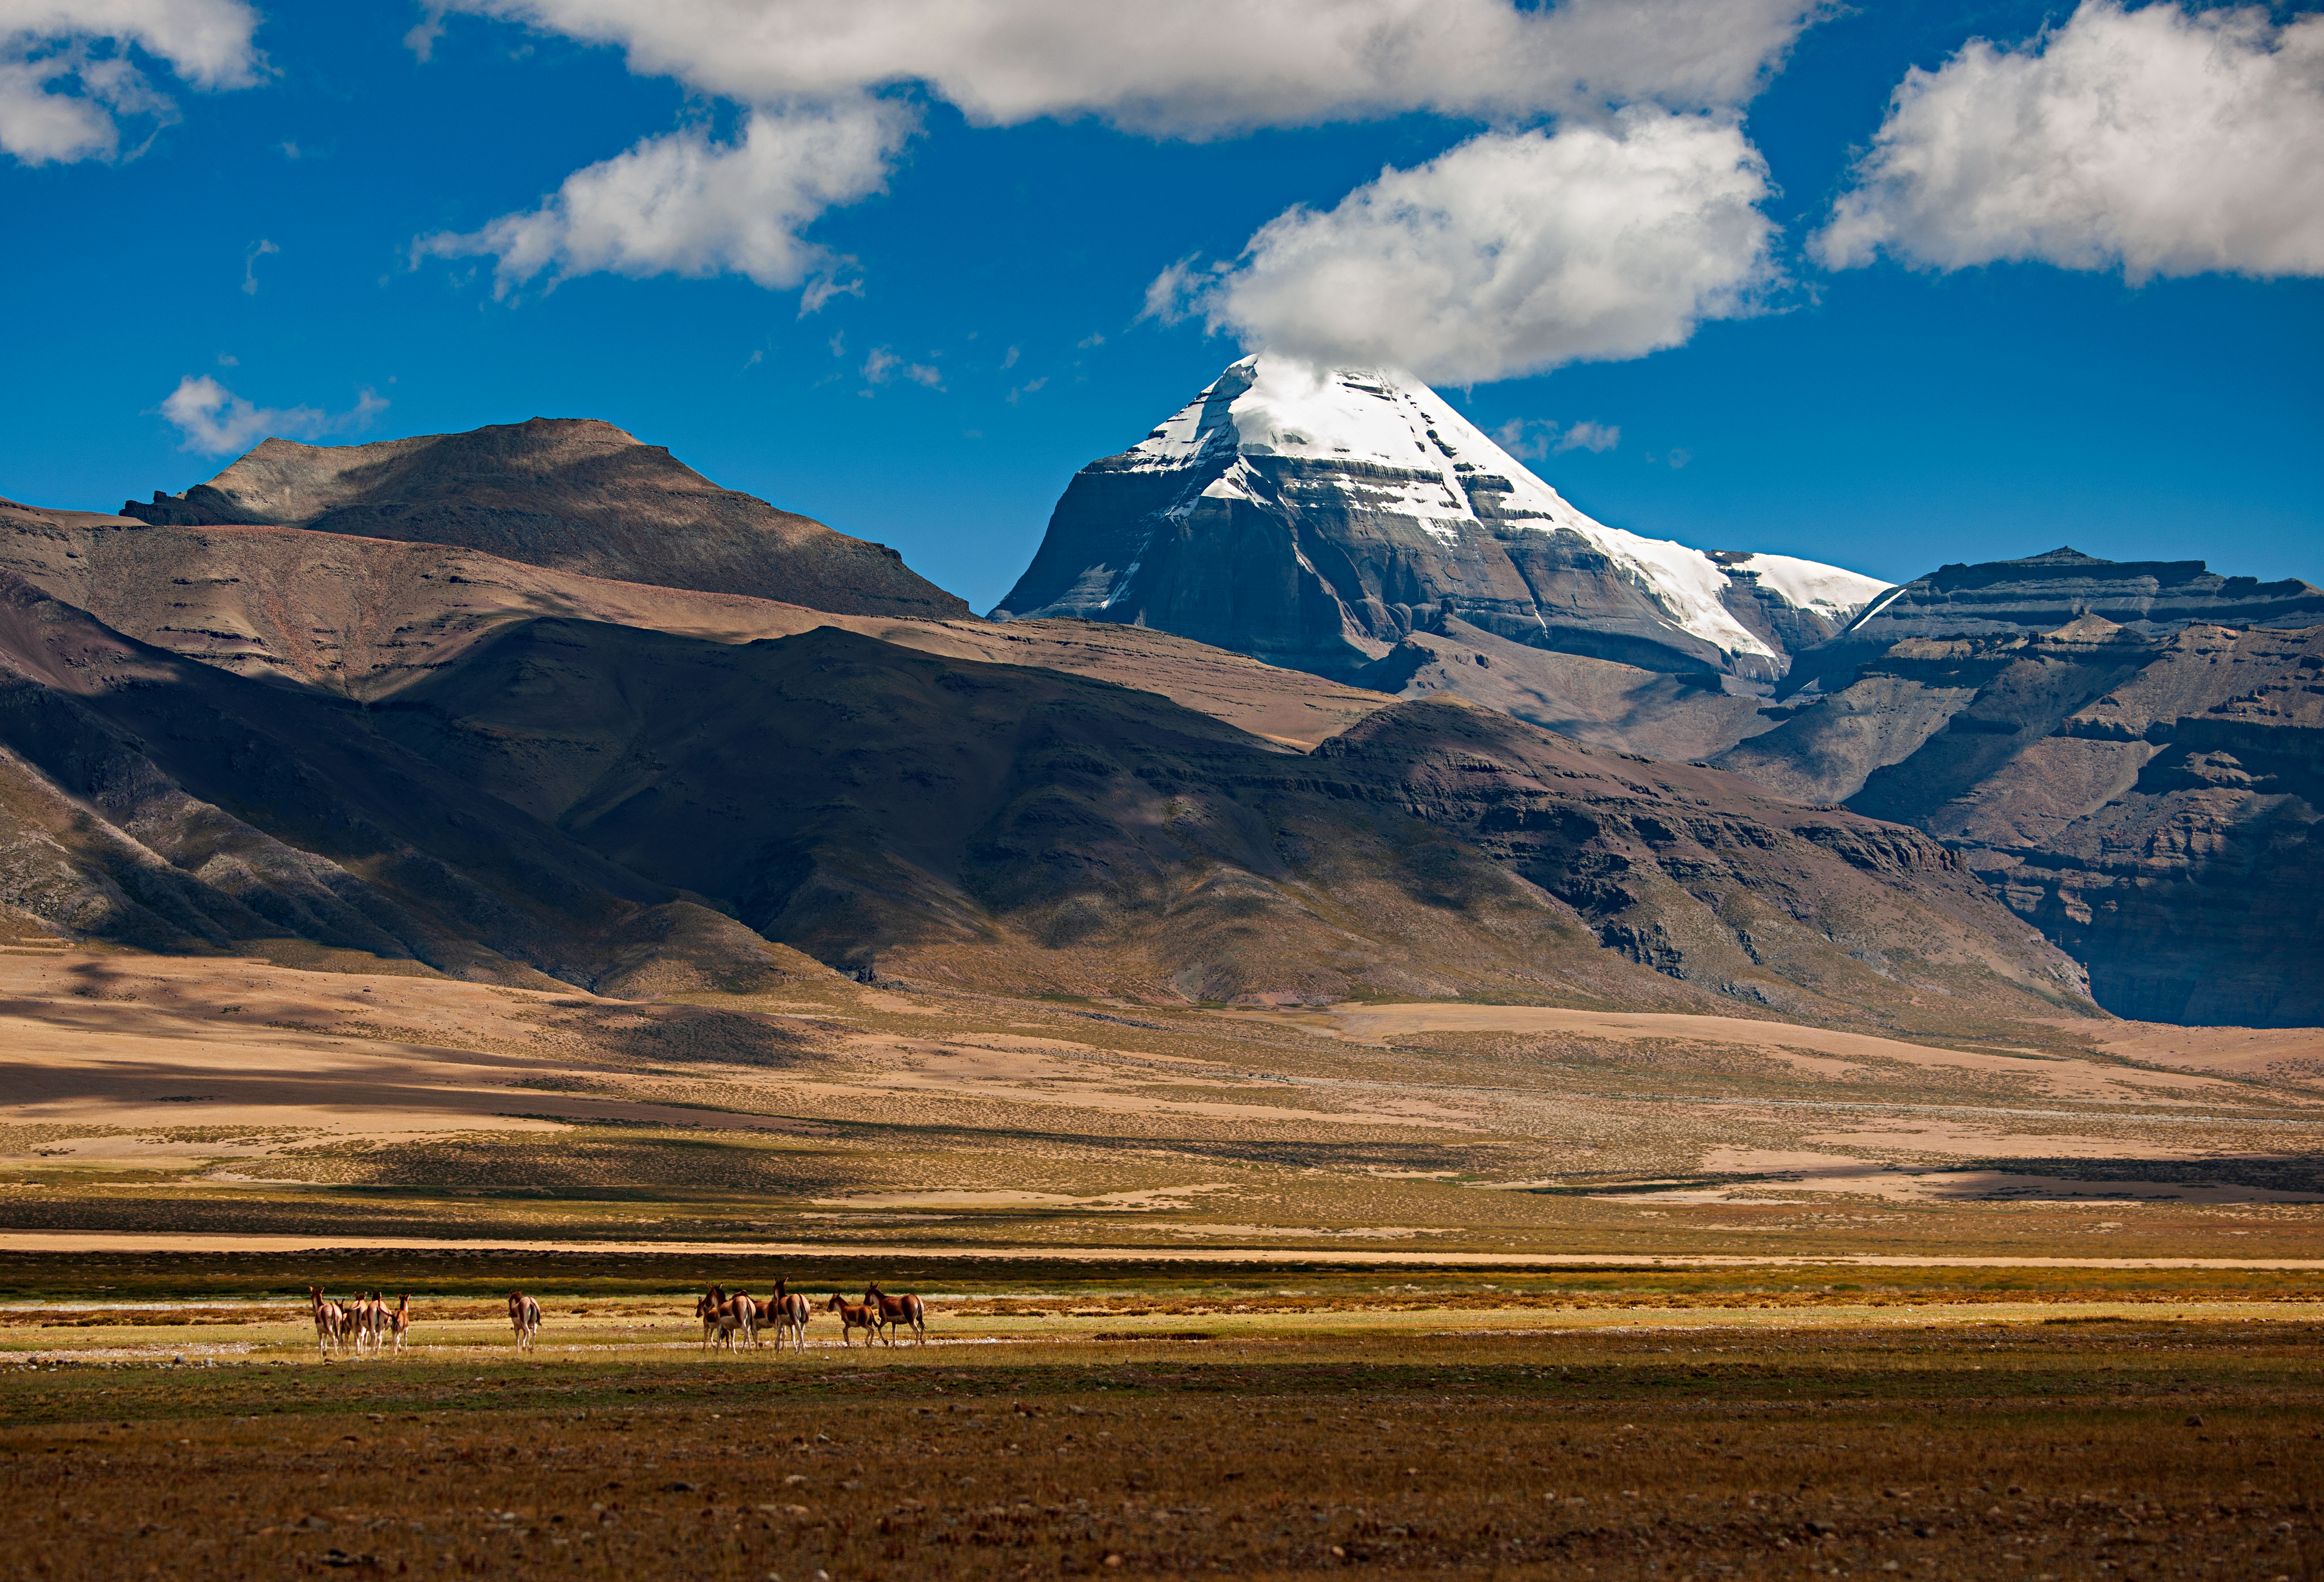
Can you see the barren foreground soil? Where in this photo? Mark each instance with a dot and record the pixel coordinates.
(1258, 1430)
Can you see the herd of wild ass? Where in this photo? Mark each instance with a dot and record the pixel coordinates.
(365, 1321)
(728, 1319)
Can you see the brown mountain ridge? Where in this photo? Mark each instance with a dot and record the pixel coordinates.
(572, 494)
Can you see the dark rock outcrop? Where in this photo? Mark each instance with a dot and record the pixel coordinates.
(571, 494)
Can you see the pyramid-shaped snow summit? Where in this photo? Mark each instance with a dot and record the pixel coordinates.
(1314, 519)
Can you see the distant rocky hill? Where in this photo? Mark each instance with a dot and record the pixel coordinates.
(1331, 522)
(569, 493)
(2146, 788)
(2045, 592)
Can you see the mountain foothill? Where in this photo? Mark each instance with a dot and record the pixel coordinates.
(1316, 694)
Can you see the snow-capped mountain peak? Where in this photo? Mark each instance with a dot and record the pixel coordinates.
(1451, 479)
(1321, 517)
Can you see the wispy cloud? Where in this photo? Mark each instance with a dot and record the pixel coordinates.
(1531, 439)
(215, 421)
(684, 204)
(1594, 437)
(258, 250)
(883, 364)
(1026, 389)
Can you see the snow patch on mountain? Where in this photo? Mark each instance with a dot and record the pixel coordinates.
(1838, 595)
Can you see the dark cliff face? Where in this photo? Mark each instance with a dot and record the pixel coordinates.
(570, 493)
(2148, 795)
(2166, 832)
(1319, 522)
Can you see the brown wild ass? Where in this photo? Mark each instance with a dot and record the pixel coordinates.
(524, 1318)
(854, 1315)
(724, 1317)
(907, 1310)
(370, 1321)
(788, 1311)
(331, 1320)
(399, 1322)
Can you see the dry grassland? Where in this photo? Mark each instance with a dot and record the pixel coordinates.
(214, 1099)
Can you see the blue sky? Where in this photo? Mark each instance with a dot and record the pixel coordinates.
(1953, 390)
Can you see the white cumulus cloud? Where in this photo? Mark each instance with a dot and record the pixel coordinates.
(215, 421)
(1194, 69)
(686, 204)
(68, 77)
(1513, 254)
(2155, 141)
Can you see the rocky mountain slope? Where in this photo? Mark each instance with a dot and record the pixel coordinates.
(2146, 791)
(1320, 521)
(993, 823)
(575, 495)
(564, 795)
(164, 803)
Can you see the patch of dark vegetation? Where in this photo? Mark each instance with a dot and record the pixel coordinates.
(2292, 1174)
(1128, 1285)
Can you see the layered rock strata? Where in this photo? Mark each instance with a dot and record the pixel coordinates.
(2045, 592)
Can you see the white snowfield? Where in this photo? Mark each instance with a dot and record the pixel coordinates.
(1269, 405)
(1837, 595)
